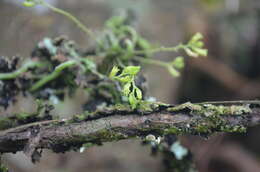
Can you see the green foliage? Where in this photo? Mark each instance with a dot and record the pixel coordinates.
(127, 79)
(29, 3)
(119, 41)
(194, 48)
(3, 168)
(118, 46)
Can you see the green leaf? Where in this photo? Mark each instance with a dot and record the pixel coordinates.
(29, 3)
(173, 71)
(89, 64)
(190, 52)
(132, 100)
(115, 22)
(126, 89)
(131, 70)
(125, 79)
(143, 43)
(200, 51)
(199, 44)
(196, 38)
(138, 93)
(178, 62)
(113, 72)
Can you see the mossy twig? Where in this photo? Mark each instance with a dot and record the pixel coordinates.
(20, 71)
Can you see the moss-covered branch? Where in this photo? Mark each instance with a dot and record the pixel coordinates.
(115, 123)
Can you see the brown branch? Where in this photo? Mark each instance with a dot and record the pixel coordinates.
(115, 124)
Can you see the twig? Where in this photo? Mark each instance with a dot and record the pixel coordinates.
(115, 124)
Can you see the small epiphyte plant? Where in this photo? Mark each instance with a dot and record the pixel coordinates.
(194, 48)
(120, 42)
(127, 79)
(57, 65)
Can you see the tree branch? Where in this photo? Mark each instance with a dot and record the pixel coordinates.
(115, 124)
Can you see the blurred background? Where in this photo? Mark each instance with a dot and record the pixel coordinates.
(231, 72)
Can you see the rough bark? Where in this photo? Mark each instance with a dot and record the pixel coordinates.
(115, 124)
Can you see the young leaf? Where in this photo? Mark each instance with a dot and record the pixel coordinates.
(173, 71)
(138, 93)
(29, 3)
(113, 72)
(190, 52)
(125, 79)
(126, 89)
(196, 38)
(200, 51)
(131, 70)
(178, 62)
(132, 100)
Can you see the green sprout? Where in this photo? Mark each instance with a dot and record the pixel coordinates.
(194, 48)
(127, 79)
(28, 65)
(121, 42)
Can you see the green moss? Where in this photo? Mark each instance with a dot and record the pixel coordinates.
(3, 168)
(210, 109)
(23, 116)
(80, 117)
(121, 107)
(5, 123)
(212, 118)
(188, 105)
(174, 130)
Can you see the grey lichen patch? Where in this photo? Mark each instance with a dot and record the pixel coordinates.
(214, 118)
(210, 109)
(210, 118)
(178, 150)
(188, 105)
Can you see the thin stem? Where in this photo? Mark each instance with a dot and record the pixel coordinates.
(53, 75)
(151, 61)
(23, 69)
(161, 49)
(166, 65)
(70, 16)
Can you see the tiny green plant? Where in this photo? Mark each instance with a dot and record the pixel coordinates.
(119, 47)
(127, 79)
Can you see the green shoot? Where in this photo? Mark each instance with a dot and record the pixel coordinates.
(127, 79)
(18, 72)
(194, 48)
(57, 71)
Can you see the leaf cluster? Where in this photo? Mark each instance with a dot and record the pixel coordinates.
(127, 79)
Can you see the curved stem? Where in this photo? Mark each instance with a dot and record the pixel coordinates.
(166, 65)
(23, 69)
(53, 75)
(70, 16)
(161, 49)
